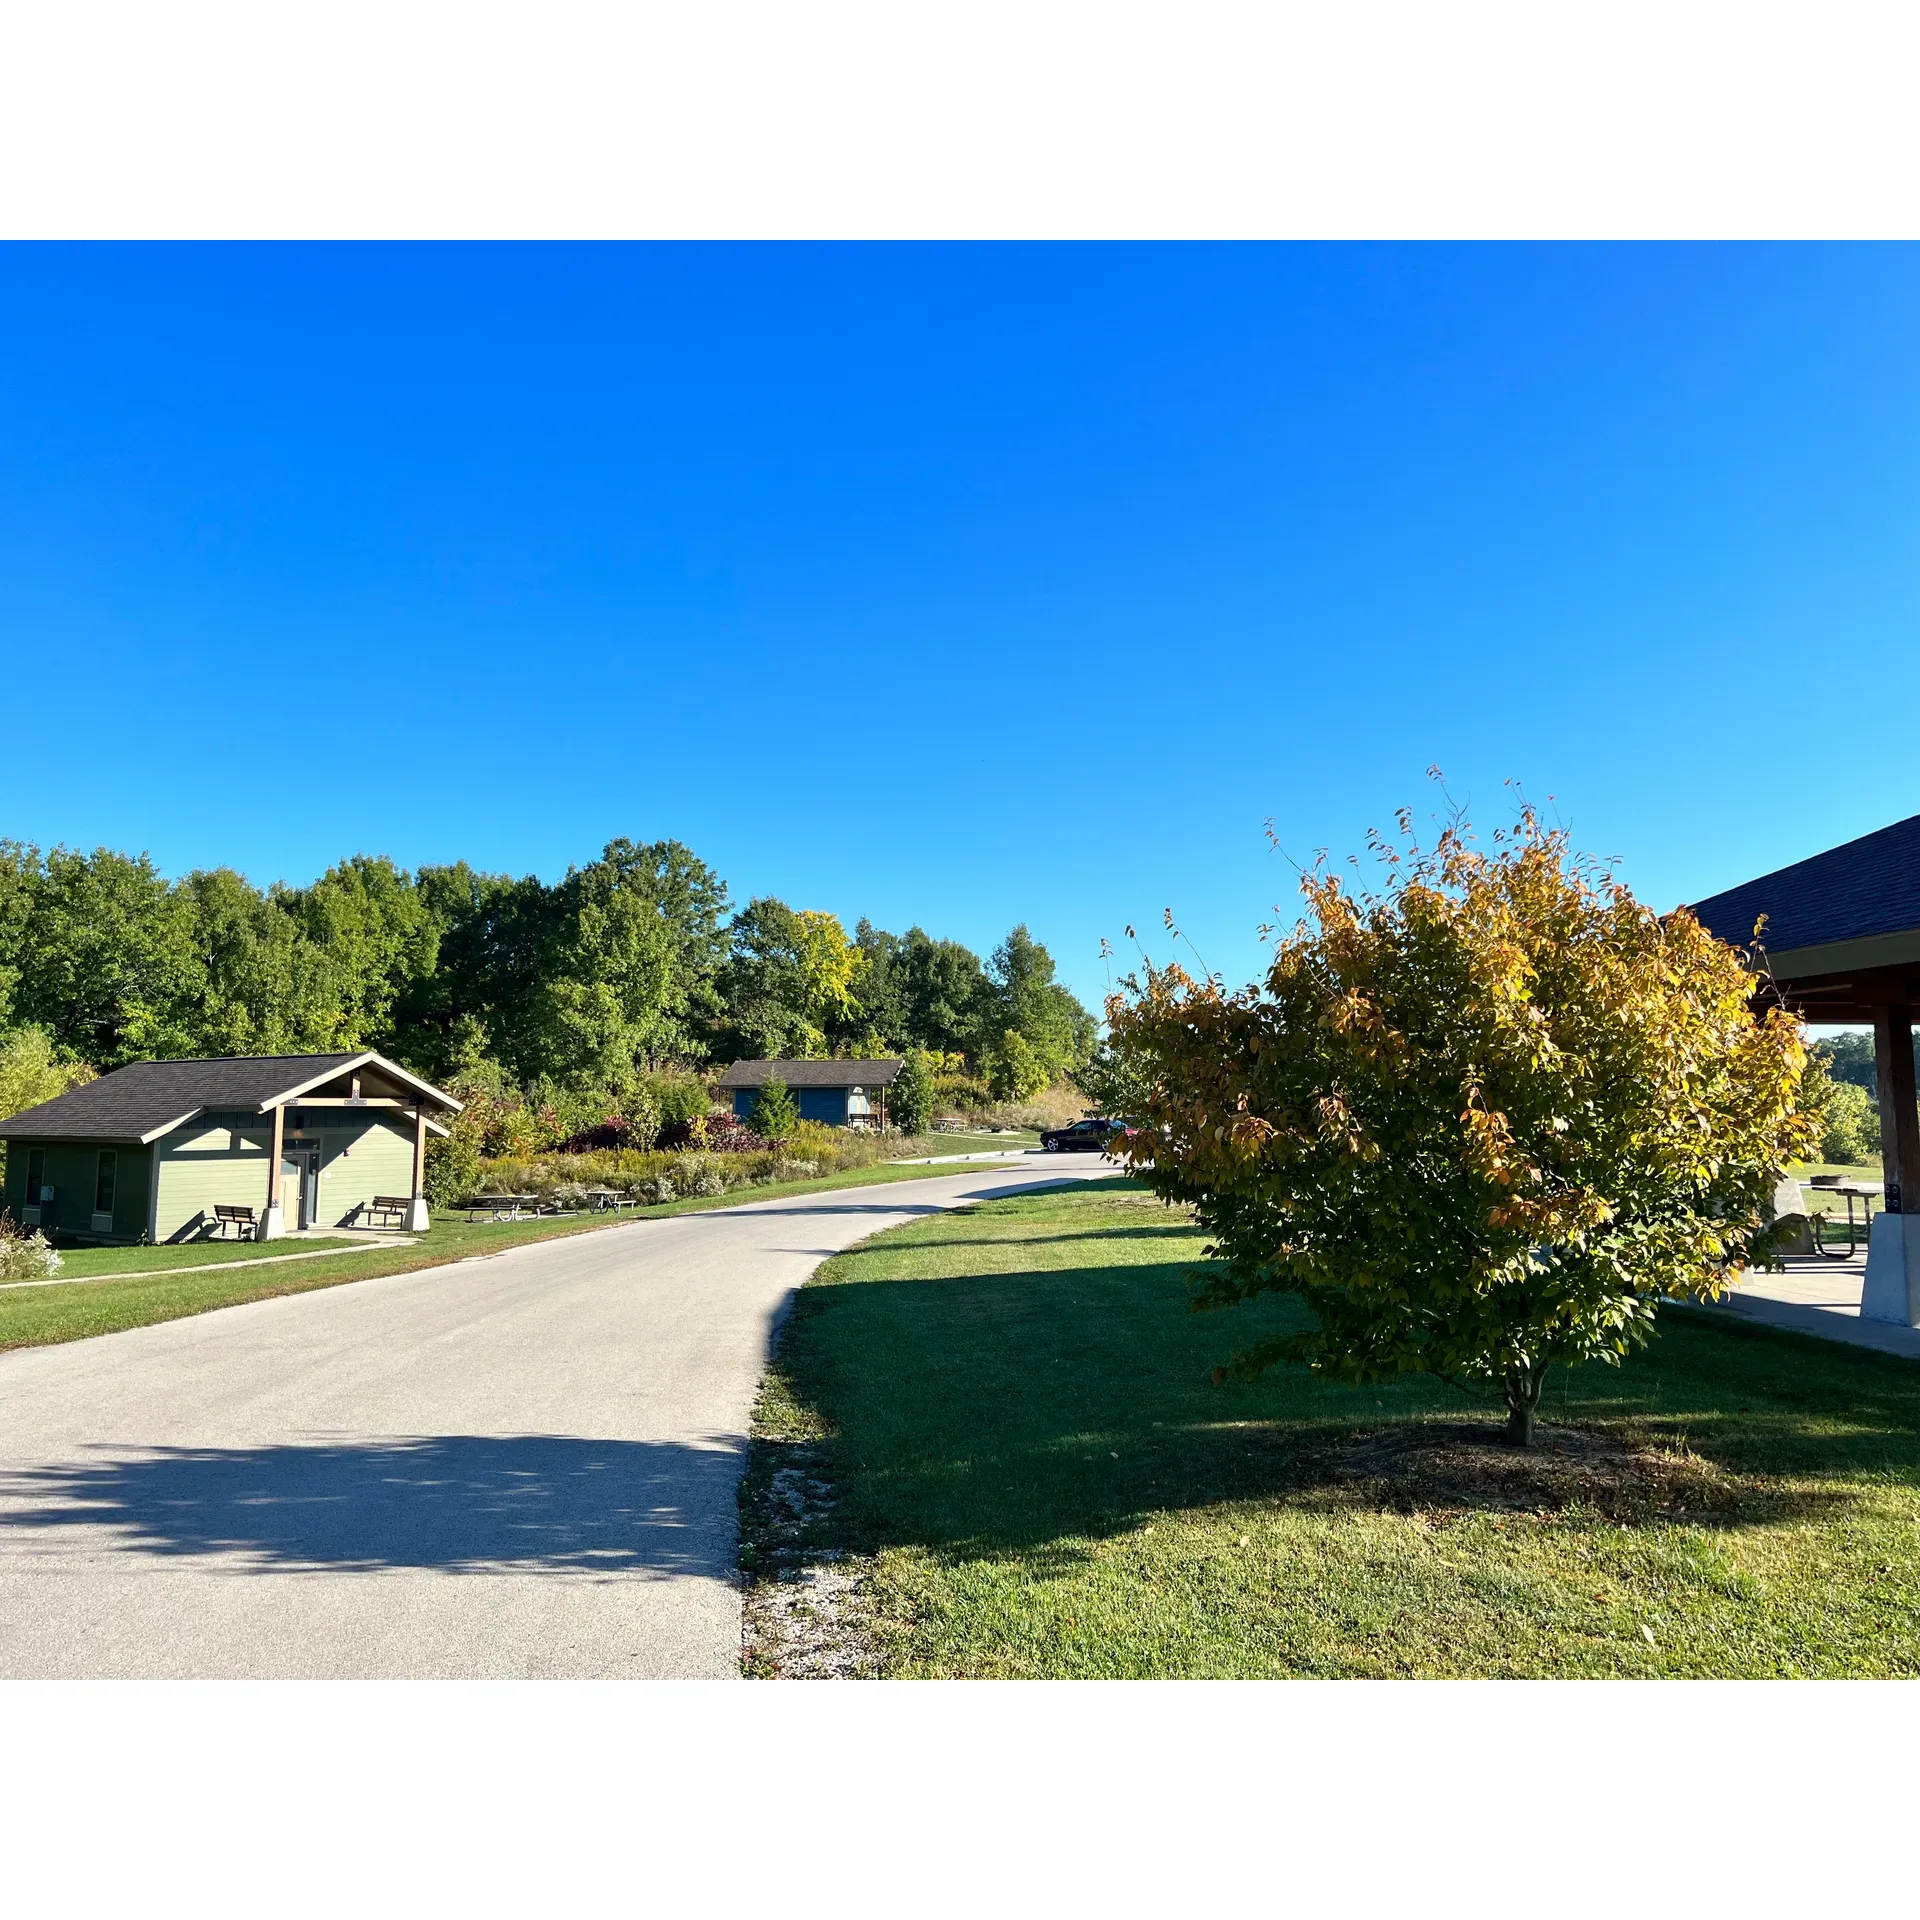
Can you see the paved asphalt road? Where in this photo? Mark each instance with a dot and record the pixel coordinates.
(518, 1466)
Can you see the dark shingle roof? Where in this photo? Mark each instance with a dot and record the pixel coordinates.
(1869, 886)
(812, 1073)
(152, 1095)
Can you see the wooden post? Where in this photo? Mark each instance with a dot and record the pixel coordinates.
(1899, 1111)
(417, 1206)
(273, 1172)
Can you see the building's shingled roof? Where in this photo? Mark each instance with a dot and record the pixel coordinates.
(151, 1095)
(1869, 886)
(812, 1073)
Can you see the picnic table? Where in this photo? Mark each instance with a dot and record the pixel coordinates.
(502, 1206)
(1866, 1192)
(604, 1199)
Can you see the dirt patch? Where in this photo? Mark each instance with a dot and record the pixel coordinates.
(1435, 1465)
(801, 1615)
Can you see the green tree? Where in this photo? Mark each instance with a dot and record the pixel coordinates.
(943, 995)
(107, 960)
(791, 976)
(1111, 1081)
(257, 968)
(368, 934)
(1016, 1069)
(1031, 1002)
(32, 1071)
(485, 998)
(775, 1111)
(910, 1098)
(19, 886)
(1479, 1123)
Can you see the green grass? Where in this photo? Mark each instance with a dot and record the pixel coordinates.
(87, 1262)
(1013, 1409)
(45, 1316)
(1823, 1202)
(933, 1143)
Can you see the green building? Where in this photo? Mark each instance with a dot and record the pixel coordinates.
(154, 1151)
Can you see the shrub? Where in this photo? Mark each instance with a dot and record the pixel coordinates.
(679, 1099)
(775, 1111)
(959, 1092)
(25, 1256)
(910, 1098)
(726, 1134)
(704, 1178)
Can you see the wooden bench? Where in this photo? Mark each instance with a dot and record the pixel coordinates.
(225, 1217)
(392, 1208)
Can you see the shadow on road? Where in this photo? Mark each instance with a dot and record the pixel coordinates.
(453, 1503)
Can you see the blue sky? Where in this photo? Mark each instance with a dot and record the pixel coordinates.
(957, 585)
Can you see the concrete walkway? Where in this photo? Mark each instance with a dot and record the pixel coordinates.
(523, 1465)
(1820, 1297)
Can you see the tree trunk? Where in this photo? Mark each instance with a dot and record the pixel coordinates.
(1523, 1396)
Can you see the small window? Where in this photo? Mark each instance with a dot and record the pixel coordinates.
(103, 1184)
(36, 1174)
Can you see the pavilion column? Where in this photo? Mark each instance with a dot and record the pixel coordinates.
(1892, 1289)
(1899, 1111)
(417, 1206)
(273, 1222)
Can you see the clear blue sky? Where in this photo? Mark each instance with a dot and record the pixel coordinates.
(857, 568)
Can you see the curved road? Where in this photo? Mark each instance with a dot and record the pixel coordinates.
(523, 1465)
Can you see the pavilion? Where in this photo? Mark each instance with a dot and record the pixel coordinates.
(1841, 947)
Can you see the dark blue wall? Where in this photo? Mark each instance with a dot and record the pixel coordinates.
(825, 1104)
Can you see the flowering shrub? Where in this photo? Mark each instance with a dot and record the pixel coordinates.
(717, 1132)
(25, 1256)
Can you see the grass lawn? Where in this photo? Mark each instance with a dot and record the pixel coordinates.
(44, 1316)
(78, 1263)
(1820, 1202)
(1007, 1423)
(932, 1143)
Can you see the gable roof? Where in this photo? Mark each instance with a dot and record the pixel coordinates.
(812, 1073)
(1866, 889)
(152, 1097)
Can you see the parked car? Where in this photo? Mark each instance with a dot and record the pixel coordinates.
(1085, 1136)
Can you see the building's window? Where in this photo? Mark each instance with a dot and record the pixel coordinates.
(36, 1174)
(103, 1184)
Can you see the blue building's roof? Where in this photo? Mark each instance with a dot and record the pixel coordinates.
(812, 1073)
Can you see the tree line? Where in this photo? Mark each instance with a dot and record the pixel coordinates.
(634, 962)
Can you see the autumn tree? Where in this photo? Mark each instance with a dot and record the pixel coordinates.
(1479, 1122)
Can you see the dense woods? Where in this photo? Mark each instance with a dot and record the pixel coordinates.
(630, 964)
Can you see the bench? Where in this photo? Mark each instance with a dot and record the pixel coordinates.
(392, 1208)
(225, 1217)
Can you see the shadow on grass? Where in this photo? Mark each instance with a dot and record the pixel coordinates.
(454, 1503)
(1021, 1412)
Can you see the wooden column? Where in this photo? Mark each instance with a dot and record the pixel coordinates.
(273, 1159)
(419, 1151)
(1899, 1114)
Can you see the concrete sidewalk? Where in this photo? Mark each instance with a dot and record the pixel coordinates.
(1820, 1297)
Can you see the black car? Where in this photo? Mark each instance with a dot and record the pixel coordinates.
(1084, 1136)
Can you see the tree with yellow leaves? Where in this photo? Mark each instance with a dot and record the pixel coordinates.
(1479, 1122)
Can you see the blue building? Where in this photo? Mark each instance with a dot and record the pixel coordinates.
(838, 1093)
